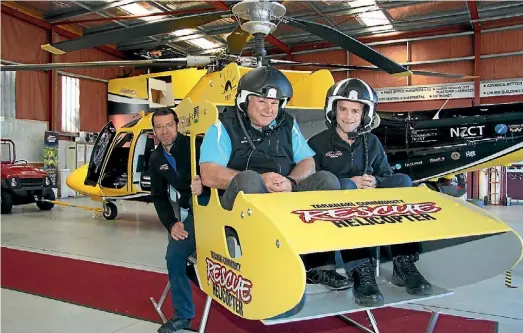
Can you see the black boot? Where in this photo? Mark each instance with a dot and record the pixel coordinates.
(175, 324)
(366, 291)
(329, 278)
(405, 274)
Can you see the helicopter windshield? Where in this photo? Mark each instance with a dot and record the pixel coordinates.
(115, 173)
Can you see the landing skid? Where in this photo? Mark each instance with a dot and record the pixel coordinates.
(320, 303)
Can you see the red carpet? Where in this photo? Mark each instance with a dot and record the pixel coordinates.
(126, 291)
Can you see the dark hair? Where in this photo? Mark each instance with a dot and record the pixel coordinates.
(164, 112)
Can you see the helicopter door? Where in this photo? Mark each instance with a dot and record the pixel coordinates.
(101, 146)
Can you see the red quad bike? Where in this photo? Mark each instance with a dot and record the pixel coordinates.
(21, 183)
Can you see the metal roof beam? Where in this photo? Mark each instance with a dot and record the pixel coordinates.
(473, 10)
(67, 13)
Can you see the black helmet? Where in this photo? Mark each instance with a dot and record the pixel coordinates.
(264, 82)
(352, 90)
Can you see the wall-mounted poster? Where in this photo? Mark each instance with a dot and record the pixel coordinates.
(51, 156)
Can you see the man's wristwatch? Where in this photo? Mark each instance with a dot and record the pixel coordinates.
(293, 182)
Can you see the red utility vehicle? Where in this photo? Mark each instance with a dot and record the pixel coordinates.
(22, 183)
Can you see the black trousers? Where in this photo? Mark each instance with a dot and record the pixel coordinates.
(328, 259)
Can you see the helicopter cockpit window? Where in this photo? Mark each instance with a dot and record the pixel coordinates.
(115, 173)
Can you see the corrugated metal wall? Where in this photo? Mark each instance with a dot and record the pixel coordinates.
(436, 49)
(21, 43)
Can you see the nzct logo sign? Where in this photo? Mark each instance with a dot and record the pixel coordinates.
(467, 131)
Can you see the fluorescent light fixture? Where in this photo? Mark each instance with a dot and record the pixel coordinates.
(203, 43)
(371, 15)
(136, 9)
(183, 32)
(361, 3)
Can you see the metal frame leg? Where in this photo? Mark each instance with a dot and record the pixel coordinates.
(432, 322)
(377, 261)
(158, 306)
(360, 326)
(205, 315)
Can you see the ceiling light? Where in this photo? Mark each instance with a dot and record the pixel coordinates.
(182, 32)
(203, 43)
(371, 15)
(136, 9)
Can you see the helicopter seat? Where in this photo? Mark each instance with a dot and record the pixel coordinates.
(264, 277)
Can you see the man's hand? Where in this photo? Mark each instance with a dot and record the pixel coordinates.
(196, 185)
(285, 186)
(365, 181)
(370, 181)
(178, 232)
(273, 181)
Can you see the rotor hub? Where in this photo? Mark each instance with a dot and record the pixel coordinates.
(261, 16)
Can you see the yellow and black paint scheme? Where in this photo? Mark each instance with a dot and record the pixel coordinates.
(268, 277)
(462, 243)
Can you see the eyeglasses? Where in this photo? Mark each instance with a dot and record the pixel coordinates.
(160, 127)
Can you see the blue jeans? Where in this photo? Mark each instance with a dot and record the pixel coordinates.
(394, 181)
(176, 257)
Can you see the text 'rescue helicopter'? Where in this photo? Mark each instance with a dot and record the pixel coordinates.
(455, 235)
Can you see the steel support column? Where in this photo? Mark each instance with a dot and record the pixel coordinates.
(474, 16)
(476, 26)
(51, 81)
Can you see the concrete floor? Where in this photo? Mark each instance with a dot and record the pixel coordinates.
(76, 233)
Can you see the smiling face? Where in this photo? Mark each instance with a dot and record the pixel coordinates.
(165, 129)
(348, 115)
(262, 111)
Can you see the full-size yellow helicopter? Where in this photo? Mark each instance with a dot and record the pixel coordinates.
(456, 236)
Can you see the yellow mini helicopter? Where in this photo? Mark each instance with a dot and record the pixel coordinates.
(237, 279)
(455, 235)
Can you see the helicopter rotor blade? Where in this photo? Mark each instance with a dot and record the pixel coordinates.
(349, 44)
(368, 68)
(133, 33)
(190, 61)
(237, 40)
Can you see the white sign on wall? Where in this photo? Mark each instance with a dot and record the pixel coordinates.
(450, 91)
(502, 88)
(429, 92)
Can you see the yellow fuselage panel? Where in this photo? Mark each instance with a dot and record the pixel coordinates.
(76, 182)
(362, 218)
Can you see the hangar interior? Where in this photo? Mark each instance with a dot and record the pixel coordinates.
(78, 265)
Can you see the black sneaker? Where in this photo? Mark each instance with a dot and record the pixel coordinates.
(405, 274)
(329, 278)
(174, 324)
(366, 291)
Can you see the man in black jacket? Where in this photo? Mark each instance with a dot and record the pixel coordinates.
(357, 158)
(170, 167)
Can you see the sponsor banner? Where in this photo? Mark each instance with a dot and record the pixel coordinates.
(428, 92)
(450, 91)
(51, 156)
(502, 88)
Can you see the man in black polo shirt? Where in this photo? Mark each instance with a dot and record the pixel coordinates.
(170, 166)
(357, 158)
